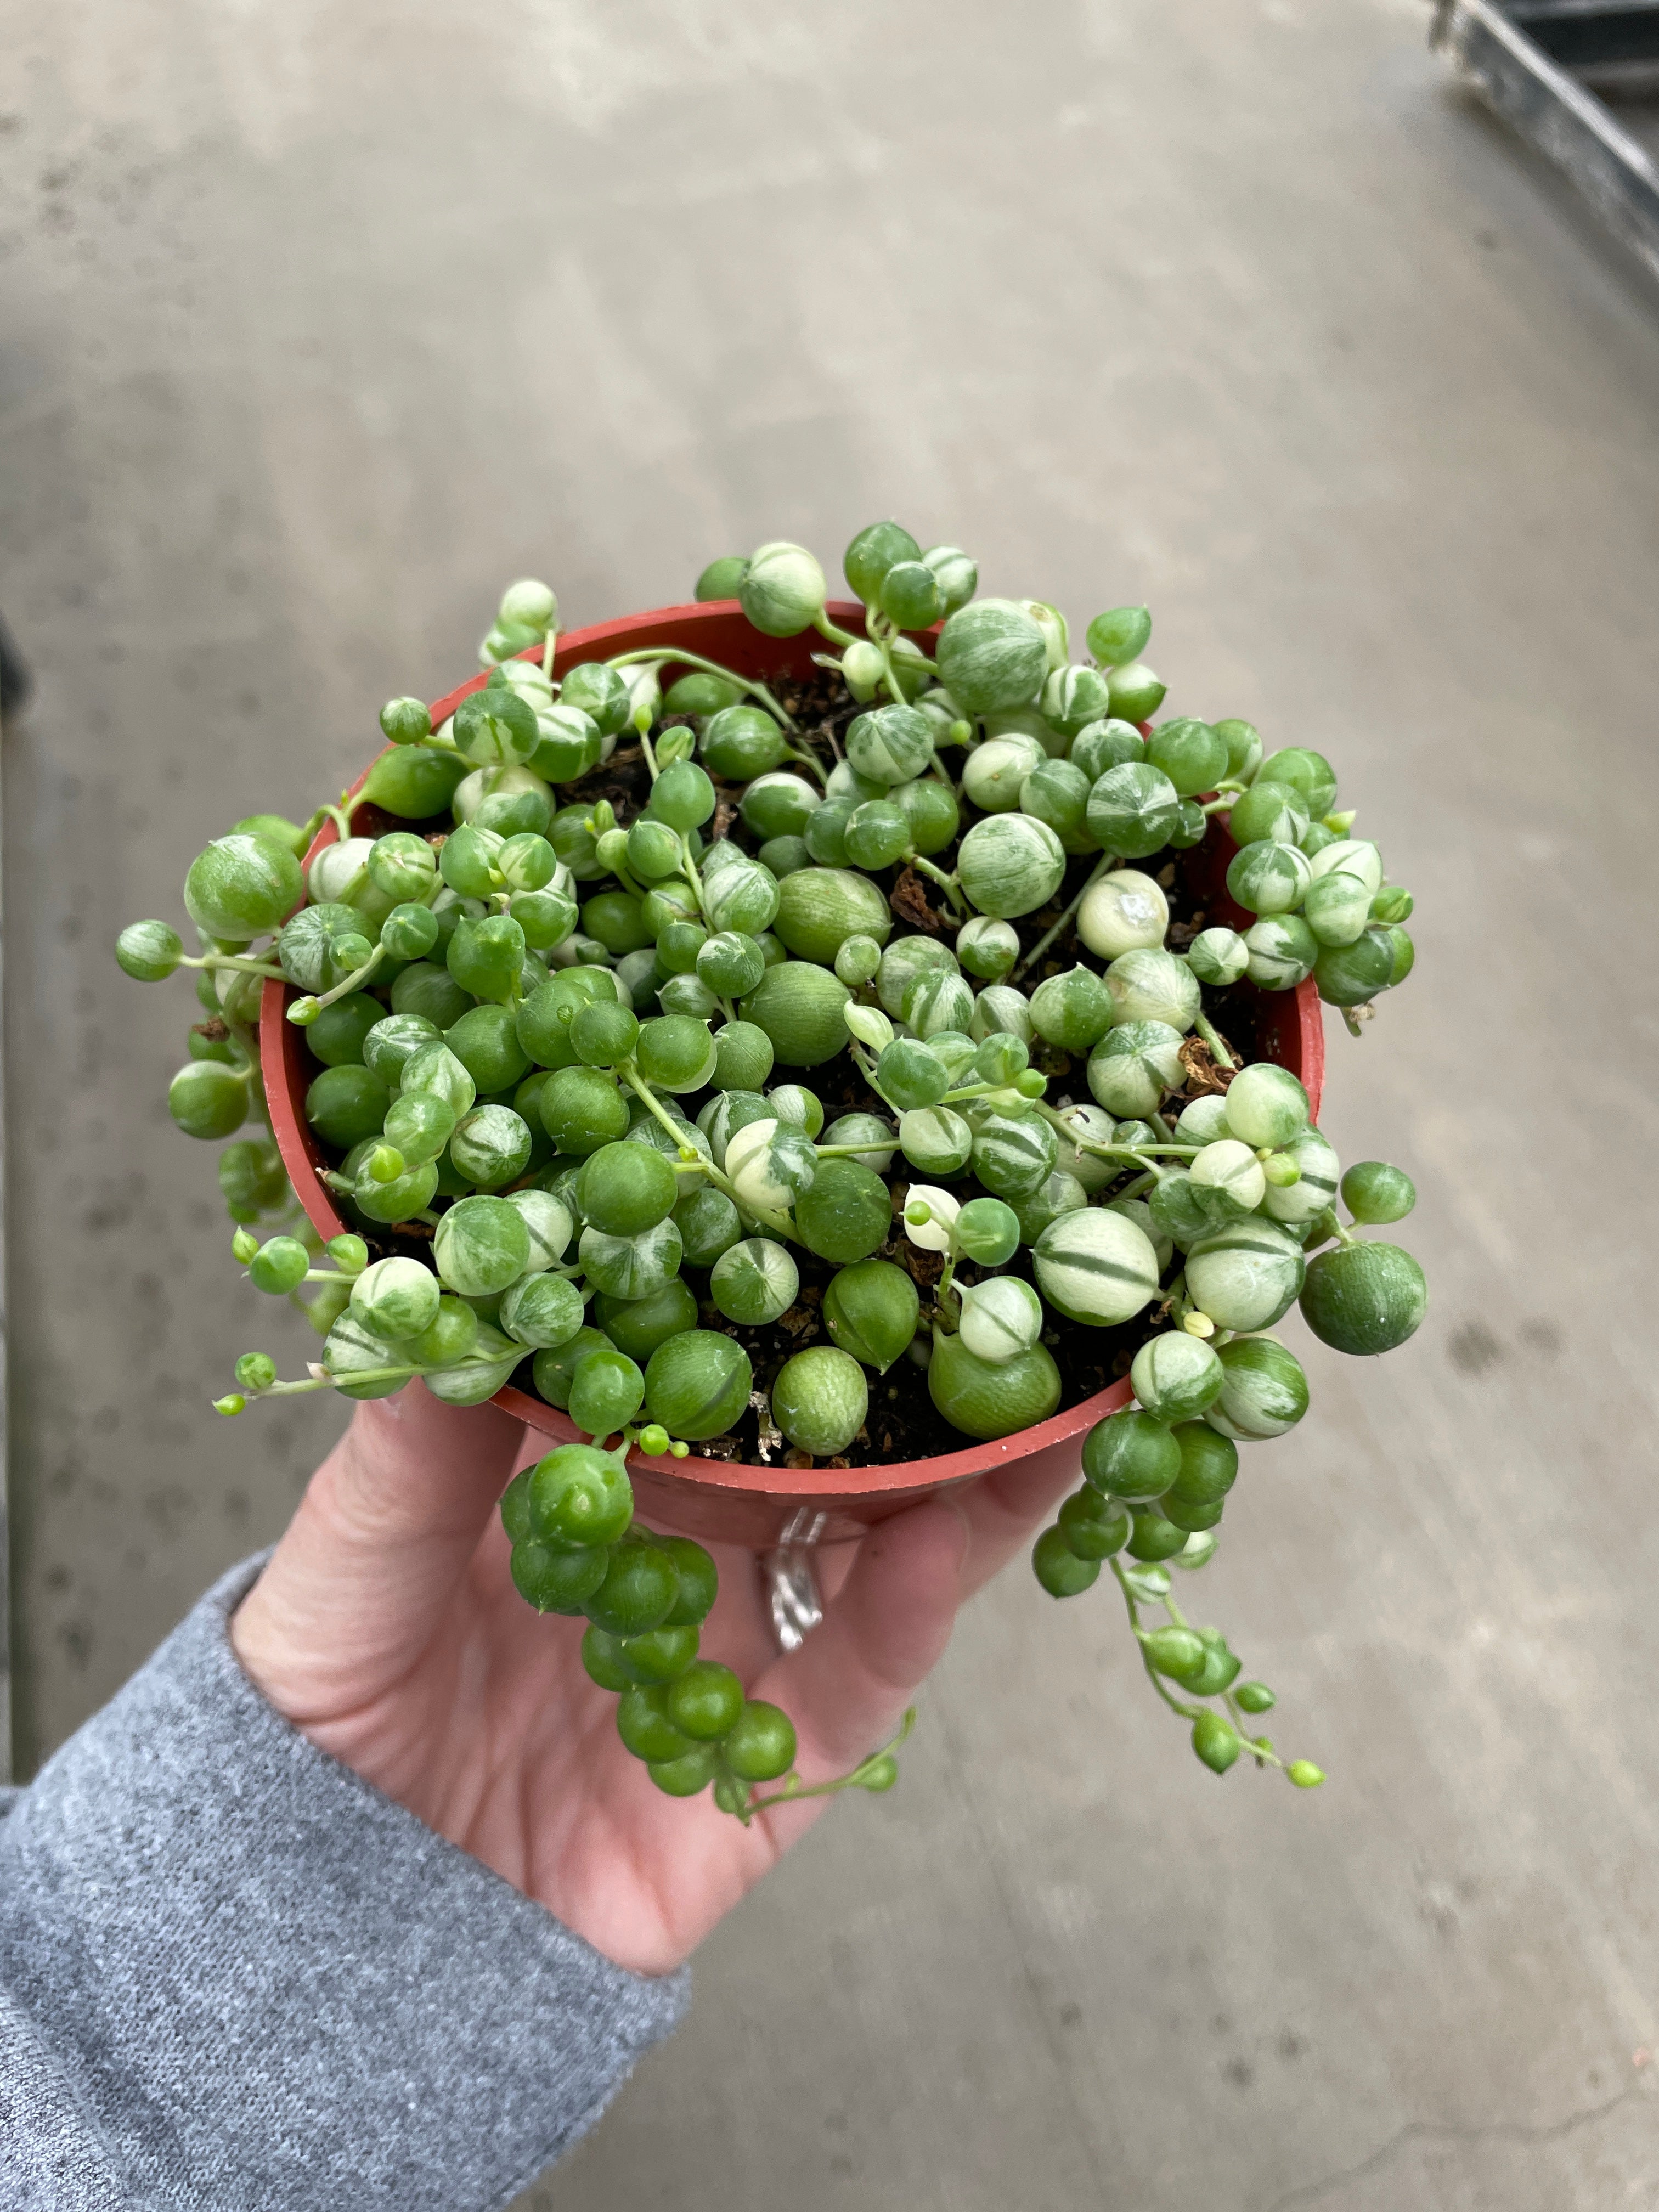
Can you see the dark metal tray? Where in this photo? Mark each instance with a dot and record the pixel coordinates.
(1580, 79)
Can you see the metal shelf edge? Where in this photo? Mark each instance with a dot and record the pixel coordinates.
(1566, 123)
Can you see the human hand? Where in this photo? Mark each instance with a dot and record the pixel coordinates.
(388, 1629)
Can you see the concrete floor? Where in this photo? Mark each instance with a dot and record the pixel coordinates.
(320, 324)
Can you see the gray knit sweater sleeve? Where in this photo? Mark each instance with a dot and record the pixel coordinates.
(234, 1975)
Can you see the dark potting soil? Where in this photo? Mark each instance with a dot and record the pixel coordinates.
(903, 1424)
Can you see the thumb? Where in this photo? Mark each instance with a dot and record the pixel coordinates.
(386, 1530)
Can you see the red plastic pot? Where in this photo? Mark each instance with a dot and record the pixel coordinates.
(715, 1500)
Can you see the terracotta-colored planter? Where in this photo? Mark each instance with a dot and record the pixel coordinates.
(715, 1500)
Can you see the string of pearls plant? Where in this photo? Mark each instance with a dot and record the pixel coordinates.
(545, 1038)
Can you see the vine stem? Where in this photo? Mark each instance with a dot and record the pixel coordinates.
(340, 816)
(334, 1382)
(629, 881)
(1241, 1720)
(755, 690)
(689, 1153)
(882, 633)
(947, 883)
(1140, 1154)
(794, 1789)
(342, 990)
(1263, 1754)
(249, 1041)
(690, 1157)
(327, 1381)
(1187, 1712)
(1102, 867)
(861, 1058)
(833, 631)
(807, 760)
(234, 960)
(688, 868)
(1219, 1051)
(884, 647)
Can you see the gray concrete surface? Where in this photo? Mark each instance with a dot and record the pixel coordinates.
(318, 324)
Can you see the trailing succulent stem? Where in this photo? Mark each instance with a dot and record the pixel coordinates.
(563, 1047)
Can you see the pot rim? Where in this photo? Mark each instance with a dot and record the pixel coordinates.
(281, 1049)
